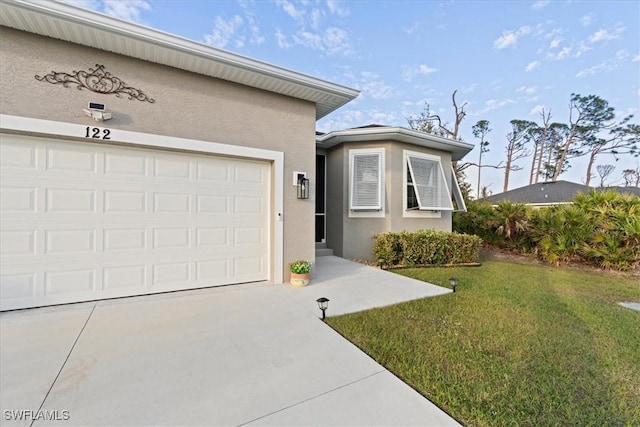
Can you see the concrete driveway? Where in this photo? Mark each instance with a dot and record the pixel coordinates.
(253, 354)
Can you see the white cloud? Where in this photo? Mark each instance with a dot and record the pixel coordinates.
(540, 4)
(532, 66)
(236, 30)
(408, 73)
(337, 9)
(604, 35)
(223, 31)
(315, 18)
(353, 118)
(636, 58)
(413, 29)
(594, 70)
(510, 38)
(586, 20)
(537, 110)
(282, 40)
(621, 55)
(564, 53)
(494, 104)
(555, 43)
(331, 41)
(371, 85)
(527, 90)
(129, 10)
(581, 49)
(311, 33)
(468, 89)
(249, 16)
(608, 65)
(290, 9)
(507, 39)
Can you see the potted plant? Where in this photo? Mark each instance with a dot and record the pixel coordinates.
(300, 270)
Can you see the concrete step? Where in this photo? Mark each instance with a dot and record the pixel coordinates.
(323, 252)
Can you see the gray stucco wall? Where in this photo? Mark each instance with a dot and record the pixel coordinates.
(335, 203)
(186, 105)
(352, 238)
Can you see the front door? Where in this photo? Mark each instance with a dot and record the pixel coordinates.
(320, 197)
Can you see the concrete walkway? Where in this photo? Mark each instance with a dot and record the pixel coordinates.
(251, 354)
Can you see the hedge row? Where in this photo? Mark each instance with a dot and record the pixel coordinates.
(425, 247)
(600, 228)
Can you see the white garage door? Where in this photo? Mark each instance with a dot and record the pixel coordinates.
(82, 221)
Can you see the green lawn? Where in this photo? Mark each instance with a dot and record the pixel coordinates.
(518, 344)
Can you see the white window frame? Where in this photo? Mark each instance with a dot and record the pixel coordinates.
(428, 212)
(359, 211)
(457, 193)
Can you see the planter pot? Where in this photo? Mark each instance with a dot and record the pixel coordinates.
(299, 280)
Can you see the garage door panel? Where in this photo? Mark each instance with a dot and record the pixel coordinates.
(13, 154)
(125, 276)
(87, 221)
(70, 281)
(67, 158)
(130, 165)
(172, 202)
(169, 166)
(18, 199)
(123, 239)
(214, 170)
(18, 286)
(125, 201)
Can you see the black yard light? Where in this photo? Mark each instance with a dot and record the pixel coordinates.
(454, 282)
(323, 303)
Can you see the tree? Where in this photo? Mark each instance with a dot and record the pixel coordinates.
(538, 134)
(516, 147)
(432, 124)
(556, 135)
(631, 177)
(604, 171)
(425, 122)
(588, 115)
(480, 130)
(623, 138)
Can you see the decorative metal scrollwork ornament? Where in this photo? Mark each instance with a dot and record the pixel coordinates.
(96, 80)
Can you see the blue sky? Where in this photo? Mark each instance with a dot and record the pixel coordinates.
(507, 59)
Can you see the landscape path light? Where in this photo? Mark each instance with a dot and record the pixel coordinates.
(454, 282)
(323, 303)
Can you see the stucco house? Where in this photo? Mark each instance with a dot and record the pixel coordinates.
(381, 179)
(135, 162)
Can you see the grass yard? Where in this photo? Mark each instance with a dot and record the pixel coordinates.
(518, 344)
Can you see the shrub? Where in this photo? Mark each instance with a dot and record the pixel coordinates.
(300, 266)
(425, 247)
(599, 227)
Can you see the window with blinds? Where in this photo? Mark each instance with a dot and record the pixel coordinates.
(366, 180)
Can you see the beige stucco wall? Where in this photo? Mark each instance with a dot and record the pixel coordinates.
(352, 238)
(187, 105)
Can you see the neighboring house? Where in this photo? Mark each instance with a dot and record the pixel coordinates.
(189, 183)
(545, 194)
(383, 179)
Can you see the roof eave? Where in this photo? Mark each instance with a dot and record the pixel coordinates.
(69, 23)
(458, 149)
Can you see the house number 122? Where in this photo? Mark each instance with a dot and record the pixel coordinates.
(97, 133)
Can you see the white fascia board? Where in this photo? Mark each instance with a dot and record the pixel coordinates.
(62, 14)
(458, 149)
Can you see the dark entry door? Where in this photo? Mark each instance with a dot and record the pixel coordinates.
(321, 162)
